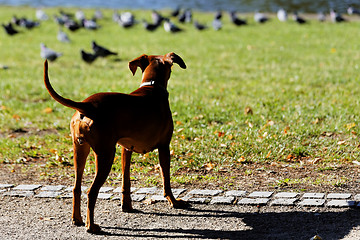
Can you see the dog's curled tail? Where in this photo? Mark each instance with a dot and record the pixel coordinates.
(83, 107)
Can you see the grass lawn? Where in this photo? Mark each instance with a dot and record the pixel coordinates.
(275, 98)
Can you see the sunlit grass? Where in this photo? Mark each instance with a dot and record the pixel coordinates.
(300, 82)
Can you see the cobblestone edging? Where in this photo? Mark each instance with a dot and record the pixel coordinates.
(195, 196)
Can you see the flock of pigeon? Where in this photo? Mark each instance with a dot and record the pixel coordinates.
(74, 22)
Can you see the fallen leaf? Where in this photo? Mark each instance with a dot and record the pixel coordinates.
(268, 155)
(350, 126)
(248, 111)
(16, 117)
(48, 110)
(341, 142)
(209, 166)
(149, 201)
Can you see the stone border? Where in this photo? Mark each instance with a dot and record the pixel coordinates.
(201, 196)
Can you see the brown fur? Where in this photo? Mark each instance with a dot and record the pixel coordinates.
(140, 122)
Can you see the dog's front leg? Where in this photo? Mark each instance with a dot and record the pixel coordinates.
(164, 158)
(125, 164)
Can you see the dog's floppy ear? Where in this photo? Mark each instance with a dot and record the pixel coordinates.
(176, 59)
(141, 62)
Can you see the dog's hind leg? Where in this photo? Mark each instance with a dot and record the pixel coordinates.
(104, 158)
(125, 164)
(80, 154)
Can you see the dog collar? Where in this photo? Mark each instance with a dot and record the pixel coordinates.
(150, 83)
(153, 83)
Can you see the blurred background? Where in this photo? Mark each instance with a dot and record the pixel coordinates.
(309, 6)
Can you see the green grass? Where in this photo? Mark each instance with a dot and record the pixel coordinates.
(301, 83)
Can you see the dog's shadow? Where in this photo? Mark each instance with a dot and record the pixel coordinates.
(269, 225)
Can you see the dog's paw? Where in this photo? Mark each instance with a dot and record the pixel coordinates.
(127, 208)
(180, 204)
(93, 228)
(78, 222)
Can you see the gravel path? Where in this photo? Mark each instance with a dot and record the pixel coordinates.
(37, 218)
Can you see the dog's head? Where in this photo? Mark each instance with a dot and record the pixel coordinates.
(156, 67)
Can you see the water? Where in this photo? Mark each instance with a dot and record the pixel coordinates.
(308, 6)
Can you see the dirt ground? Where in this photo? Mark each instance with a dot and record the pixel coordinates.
(33, 218)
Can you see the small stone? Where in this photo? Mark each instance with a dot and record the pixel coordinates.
(205, 192)
(312, 202)
(235, 193)
(105, 189)
(158, 198)
(52, 188)
(284, 202)
(254, 201)
(70, 189)
(27, 187)
(341, 203)
(152, 190)
(104, 196)
(286, 195)
(178, 191)
(357, 197)
(314, 195)
(48, 194)
(201, 200)
(260, 194)
(19, 193)
(66, 195)
(119, 190)
(138, 197)
(222, 200)
(338, 195)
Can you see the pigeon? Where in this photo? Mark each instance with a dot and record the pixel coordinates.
(101, 51)
(321, 17)
(336, 17)
(150, 26)
(126, 19)
(88, 57)
(89, 24)
(199, 26)
(260, 17)
(235, 20)
(352, 11)
(9, 29)
(98, 14)
(47, 53)
(175, 12)
(282, 15)
(171, 27)
(156, 17)
(298, 19)
(80, 15)
(72, 25)
(29, 24)
(217, 24)
(116, 16)
(186, 16)
(41, 15)
(62, 37)
(15, 20)
(218, 15)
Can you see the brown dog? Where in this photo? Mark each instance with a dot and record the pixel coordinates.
(140, 122)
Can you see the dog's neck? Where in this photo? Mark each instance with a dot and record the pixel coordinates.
(153, 83)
